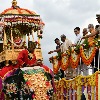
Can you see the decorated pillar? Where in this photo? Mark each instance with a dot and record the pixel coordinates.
(24, 38)
(29, 37)
(32, 35)
(5, 39)
(38, 33)
(12, 43)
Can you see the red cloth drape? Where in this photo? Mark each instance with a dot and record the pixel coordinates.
(23, 58)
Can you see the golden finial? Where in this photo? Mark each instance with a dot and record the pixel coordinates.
(14, 3)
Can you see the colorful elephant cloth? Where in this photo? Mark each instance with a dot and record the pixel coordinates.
(39, 80)
(2, 96)
(31, 83)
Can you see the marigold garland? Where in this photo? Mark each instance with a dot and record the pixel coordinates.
(87, 61)
(91, 41)
(56, 66)
(6, 10)
(64, 66)
(74, 63)
(88, 81)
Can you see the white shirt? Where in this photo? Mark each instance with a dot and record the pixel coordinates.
(65, 45)
(77, 39)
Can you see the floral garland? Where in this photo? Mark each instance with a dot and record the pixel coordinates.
(56, 64)
(80, 51)
(97, 42)
(86, 60)
(74, 61)
(77, 49)
(64, 62)
(86, 44)
(91, 41)
(79, 81)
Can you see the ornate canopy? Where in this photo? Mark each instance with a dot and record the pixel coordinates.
(16, 16)
(15, 23)
(17, 10)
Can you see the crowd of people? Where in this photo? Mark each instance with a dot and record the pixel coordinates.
(89, 33)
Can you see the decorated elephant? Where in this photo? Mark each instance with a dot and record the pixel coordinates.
(29, 83)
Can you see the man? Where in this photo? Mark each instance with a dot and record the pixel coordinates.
(84, 67)
(91, 28)
(85, 31)
(57, 41)
(77, 42)
(78, 36)
(66, 43)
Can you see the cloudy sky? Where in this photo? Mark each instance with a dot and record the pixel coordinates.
(60, 17)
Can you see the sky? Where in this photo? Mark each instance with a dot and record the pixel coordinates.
(60, 17)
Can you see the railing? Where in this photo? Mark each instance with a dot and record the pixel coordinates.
(75, 88)
(76, 57)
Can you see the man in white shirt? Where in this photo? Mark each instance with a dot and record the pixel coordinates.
(78, 36)
(66, 43)
(76, 42)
